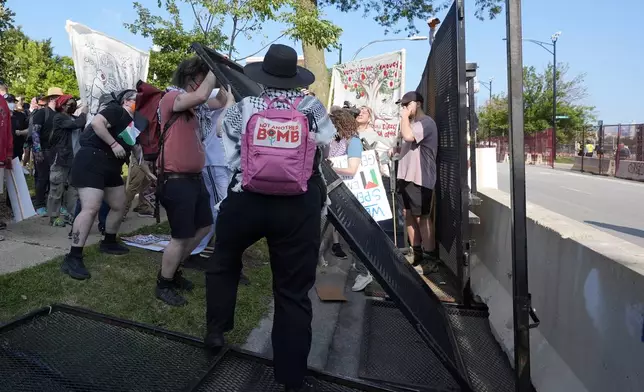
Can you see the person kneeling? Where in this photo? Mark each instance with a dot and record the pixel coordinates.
(96, 173)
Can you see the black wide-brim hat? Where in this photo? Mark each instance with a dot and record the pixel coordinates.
(279, 69)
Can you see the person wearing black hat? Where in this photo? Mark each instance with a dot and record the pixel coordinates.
(291, 224)
(417, 176)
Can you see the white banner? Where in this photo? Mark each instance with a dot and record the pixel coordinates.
(104, 64)
(376, 82)
(367, 185)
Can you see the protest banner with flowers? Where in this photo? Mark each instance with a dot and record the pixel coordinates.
(376, 82)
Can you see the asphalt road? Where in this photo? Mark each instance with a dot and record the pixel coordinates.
(611, 205)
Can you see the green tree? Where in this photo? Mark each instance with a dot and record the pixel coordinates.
(170, 38)
(6, 25)
(493, 119)
(537, 96)
(246, 18)
(34, 67)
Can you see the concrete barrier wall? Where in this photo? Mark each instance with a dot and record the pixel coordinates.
(630, 170)
(587, 288)
(591, 165)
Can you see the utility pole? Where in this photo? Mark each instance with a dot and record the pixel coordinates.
(554, 97)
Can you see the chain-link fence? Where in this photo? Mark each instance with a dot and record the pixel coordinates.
(538, 147)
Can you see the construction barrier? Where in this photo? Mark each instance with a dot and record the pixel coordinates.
(592, 165)
(630, 170)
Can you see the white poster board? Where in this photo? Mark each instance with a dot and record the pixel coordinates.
(376, 82)
(21, 204)
(104, 64)
(367, 185)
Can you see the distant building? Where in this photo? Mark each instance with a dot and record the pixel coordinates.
(300, 60)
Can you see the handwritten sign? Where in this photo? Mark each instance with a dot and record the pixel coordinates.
(376, 82)
(367, 185)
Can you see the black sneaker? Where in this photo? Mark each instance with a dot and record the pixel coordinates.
(74, 267)
(169, 295)
(182, 283)
(101, 229)
(243, 280)
(113, 248)
(214, 341)
(309, 385)
(338, 252)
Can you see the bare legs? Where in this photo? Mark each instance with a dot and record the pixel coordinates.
(178, 250)
(90, 199)
(419, 230)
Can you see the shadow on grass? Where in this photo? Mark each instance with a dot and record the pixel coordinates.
(123, 286)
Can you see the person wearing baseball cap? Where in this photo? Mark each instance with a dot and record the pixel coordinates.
(417, 177)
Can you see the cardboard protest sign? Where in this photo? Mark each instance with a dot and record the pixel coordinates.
(367, 185)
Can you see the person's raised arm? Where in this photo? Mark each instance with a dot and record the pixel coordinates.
(405, 125)
(195, 98)
(68, 123)
(37, 124)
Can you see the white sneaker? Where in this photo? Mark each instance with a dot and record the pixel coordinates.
(361, 282)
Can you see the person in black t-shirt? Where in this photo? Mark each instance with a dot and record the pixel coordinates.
(96, 173)
(42, 125)
(19, 126)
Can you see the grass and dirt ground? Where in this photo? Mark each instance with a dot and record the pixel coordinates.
(123, 286)
(567, 160)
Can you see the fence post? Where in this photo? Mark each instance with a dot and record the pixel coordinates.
(618, 151)
(601, 145)
(470, 70)
(522, 306)
(583, 148)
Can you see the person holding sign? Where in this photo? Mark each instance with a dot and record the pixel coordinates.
(96, 173)
(417, 177)
(347, 143)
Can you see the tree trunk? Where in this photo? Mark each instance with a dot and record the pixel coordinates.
(315, 62)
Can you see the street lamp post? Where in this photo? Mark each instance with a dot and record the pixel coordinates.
(414, 38)
(553, 52)
(488, 86)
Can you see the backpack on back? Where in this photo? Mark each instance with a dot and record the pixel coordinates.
(147, 106)
(278, 150)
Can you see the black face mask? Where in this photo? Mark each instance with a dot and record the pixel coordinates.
(71, 109)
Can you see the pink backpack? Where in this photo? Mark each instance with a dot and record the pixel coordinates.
(278, 150)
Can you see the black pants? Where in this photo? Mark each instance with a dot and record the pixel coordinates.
(291, 226)
(42, 180)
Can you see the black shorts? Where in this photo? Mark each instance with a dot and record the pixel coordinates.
(187, 204)
(416, 199)
(93, 168)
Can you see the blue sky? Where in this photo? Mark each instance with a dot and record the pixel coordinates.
(603, 42)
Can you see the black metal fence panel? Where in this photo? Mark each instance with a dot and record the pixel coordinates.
(394, 273)
(61, 348)
(228, 73)
(443, 86)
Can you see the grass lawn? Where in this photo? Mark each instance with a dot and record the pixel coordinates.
(123, 286)
(569, 160)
